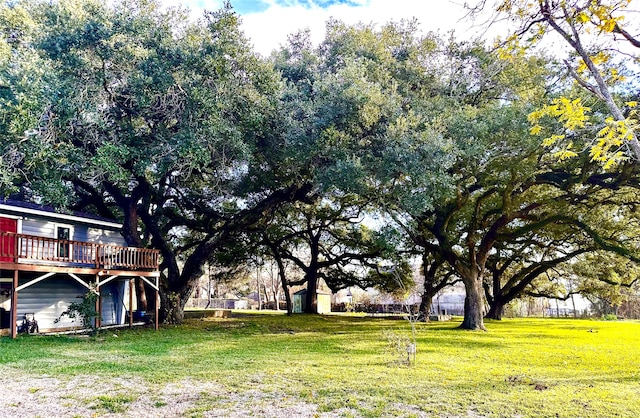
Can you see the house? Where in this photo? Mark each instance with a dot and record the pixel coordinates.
(448, 303)
(49, 259)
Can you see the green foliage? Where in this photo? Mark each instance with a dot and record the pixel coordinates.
(605, 278)
(23, 81)
(170, 125)
(84, 310)
(361, 109)
(115, 404)
(396, 279)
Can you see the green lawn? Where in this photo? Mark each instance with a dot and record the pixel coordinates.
(521, 367)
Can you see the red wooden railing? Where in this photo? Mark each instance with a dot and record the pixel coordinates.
(20, 248)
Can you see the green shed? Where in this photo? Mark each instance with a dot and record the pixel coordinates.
(300, 299)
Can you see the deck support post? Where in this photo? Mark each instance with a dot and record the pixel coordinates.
(98, 303)
(157, 301)
(14, 305)
(131, 303)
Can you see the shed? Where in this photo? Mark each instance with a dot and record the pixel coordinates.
(300, 299)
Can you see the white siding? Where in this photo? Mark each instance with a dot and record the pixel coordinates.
(113, 303)
(42, 227)
(38, 227)
(48, 299)
(103, 236)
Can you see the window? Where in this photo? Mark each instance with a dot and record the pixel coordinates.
(63, 233)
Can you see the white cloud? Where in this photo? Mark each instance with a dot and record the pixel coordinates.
(269, 29)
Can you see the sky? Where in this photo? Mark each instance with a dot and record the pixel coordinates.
(268, 22)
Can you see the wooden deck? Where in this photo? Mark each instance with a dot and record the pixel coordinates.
(29, 252)
(33, 259)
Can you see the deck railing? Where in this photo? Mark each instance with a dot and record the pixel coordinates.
(20, 248)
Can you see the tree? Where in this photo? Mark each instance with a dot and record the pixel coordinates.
(359, 99)
(601, 41)
(430, 127)
(603, 278)
(165, 124)
(22, 82)
(282, 264)
(503, 189)
(328, 241)
(600, 222)
(437, 276)
(494, 170)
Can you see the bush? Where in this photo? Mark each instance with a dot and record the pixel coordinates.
(85, 310)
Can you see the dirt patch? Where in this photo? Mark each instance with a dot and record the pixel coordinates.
(88, 396)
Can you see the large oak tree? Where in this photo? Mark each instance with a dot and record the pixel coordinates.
(171, 126)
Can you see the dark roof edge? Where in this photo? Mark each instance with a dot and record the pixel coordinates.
(27, 207)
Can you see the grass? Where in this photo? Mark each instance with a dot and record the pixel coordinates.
(113, 403)
(342, 364)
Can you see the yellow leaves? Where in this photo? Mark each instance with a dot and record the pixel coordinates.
(603, 14)
(606, 68)
(583, 17)
(510, 49)
(571, 113)
(505, 6)
(616, 132)
(615, 76)
(600, 58)
(552, 140)
(608, 25)
(607, 148)
(565, 154)
(535, 130)
(614, 160)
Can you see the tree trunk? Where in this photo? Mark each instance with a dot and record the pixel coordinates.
(171, 308)
(276, 297)
(473, 304)
(311, 305)
(141, 295)
(434, 281)
(283, 279)
(132, 238)
(175, 293)
(426, 301)
(498, 300)
(311, 274)
(287, 298)
(496, 309)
